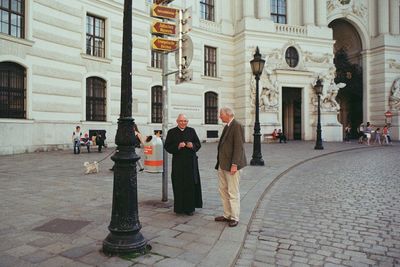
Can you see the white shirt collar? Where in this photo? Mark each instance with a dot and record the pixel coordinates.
(229, 123)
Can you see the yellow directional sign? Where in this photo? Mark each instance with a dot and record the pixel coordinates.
(164, 12)
(158, 27)
(164, 44)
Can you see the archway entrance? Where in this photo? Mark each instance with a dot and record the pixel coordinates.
(348, 65)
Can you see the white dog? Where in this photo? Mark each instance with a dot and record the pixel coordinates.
(91, 167)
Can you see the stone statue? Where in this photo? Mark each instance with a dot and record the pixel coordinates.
(269, 98)
(329, 102)
(394, 98)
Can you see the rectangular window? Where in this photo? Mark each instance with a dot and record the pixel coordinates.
(95, 36)
(207, 10)
(156, 59)
(210, 61)
(12, 17)
(278, 11)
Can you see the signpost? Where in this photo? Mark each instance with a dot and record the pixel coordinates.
(164, 12)
(158, 27)
(184, 47)
(163, 44)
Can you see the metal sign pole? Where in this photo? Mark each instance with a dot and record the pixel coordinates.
(165, 125)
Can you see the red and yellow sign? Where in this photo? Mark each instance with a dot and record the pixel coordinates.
(163, 28)
(164, 44)
(164, 12)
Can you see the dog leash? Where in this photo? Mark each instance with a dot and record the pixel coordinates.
(107, 155)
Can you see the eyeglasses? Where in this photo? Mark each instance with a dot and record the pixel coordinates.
(182, 120)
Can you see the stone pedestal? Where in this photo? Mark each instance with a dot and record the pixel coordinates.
(395, 126)
(332, 130)
(269, 120)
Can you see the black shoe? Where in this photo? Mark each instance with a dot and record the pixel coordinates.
(141, 170)
(189, 213)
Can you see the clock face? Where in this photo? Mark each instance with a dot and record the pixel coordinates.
(344, 2)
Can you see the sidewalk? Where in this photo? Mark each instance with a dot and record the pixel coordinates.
(43, 188)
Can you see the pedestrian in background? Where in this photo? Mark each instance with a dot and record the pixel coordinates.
(183, 143)
(138, 145)
(282, 136)
(76, 139)
(347, 131)
(386, 134)
(231, 159)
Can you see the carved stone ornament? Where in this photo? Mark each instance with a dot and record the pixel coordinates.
(394, 98)
(393, 64)
(310, 57)
(346, 7)
(269, 95)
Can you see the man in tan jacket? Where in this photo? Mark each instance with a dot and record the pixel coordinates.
(230, 159)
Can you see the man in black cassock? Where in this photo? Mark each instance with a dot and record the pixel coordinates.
(182, 142)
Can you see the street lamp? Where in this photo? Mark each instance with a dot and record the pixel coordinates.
(125, 227)
(318, 90)
(257, 65)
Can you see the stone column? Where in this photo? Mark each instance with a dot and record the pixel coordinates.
(308, 12)
(320, 10)
(383, 17)
(263, 9)
(248, 8)
(394, 17)
(226, 12)
(238, 10)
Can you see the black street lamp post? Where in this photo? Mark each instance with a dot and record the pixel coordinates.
(125, 227)
(257, 65)
(318, 90)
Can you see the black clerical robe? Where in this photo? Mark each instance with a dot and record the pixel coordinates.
(185, 170)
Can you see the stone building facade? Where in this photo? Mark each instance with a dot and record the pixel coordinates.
(60, 67)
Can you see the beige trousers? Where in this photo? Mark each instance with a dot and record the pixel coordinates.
(229, 192)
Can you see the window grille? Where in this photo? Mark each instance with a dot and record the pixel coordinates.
(156, 104)
(12, 91)
(95, 99)
(211, 108)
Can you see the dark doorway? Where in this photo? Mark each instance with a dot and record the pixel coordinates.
(348, 63)
(291, 113)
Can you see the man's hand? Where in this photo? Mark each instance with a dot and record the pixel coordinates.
(181, 144)
(233, 169)
(189, 145)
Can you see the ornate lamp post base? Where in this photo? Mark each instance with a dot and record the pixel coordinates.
(120, 244)
(124, 227)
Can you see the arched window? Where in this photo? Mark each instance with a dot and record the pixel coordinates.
(292, 57)
(95, 99)
(211, 108)
(278, 11)
(12, 91)
(156, 104)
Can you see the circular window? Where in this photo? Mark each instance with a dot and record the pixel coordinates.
(292, 57)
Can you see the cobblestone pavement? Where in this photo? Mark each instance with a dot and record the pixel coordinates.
(39, 189)
(338, 210)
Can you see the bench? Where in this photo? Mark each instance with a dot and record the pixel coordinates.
(269, 138)
(96, 138)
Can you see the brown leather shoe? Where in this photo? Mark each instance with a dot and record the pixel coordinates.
(221, 219)
(233, 223)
